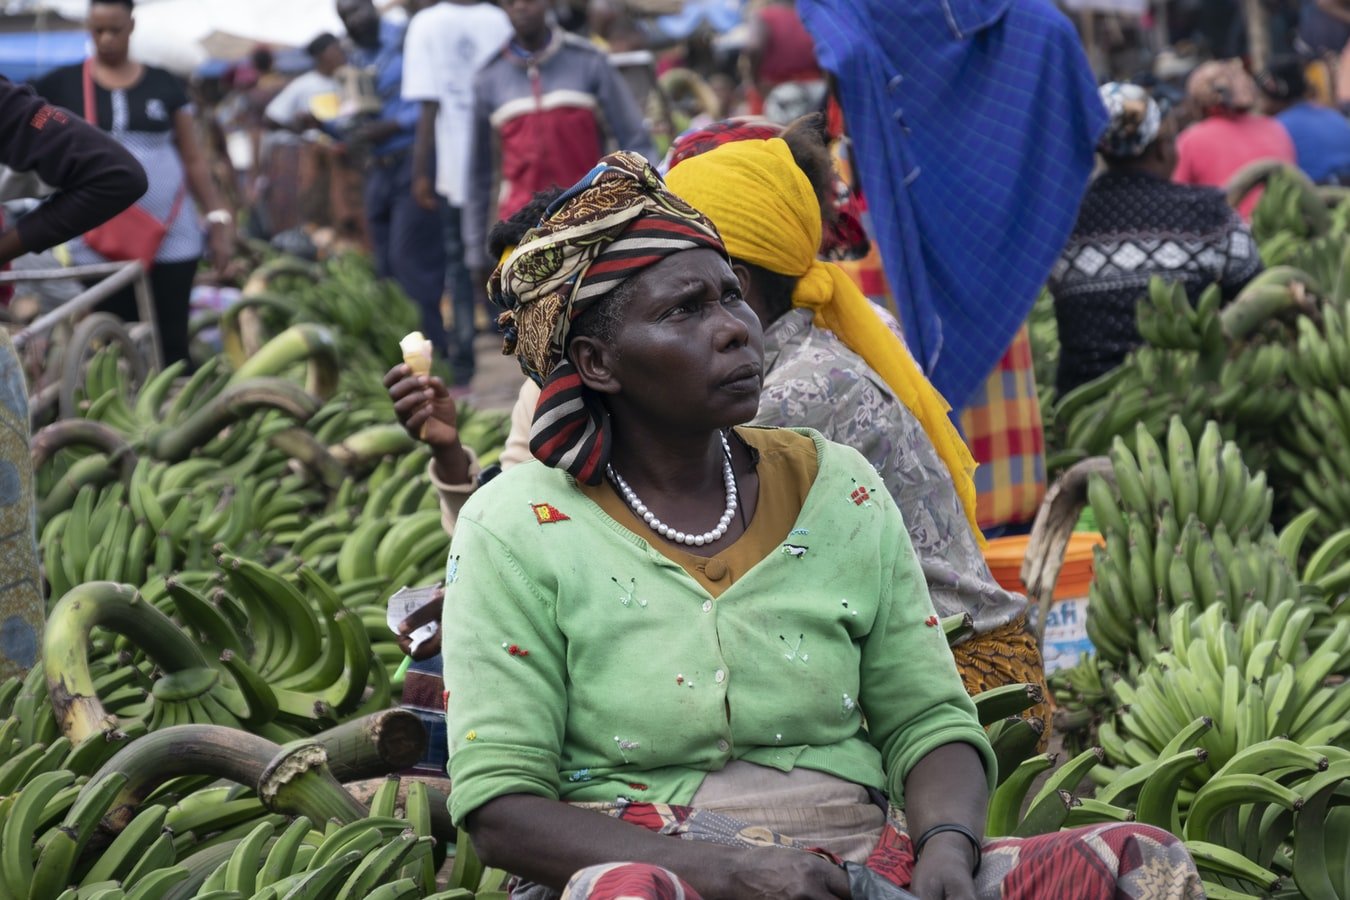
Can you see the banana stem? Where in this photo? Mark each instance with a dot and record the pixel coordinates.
(250, 306)
(306, 342)
(1253, 308)
(300, 445)
(366, 447)
(235, 402)
(298, 782)
(83, 433)
(291, 780)
(66, 648)
(288, 266)
(378, 744)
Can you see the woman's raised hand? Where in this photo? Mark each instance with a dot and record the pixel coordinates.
(425, 408)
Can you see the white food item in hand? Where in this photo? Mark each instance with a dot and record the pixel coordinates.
(416, 352)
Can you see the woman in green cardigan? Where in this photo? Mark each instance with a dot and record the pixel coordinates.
(674, 626)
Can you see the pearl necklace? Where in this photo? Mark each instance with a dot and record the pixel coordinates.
(694, 540)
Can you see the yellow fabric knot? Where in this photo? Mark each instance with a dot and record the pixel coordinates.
(766, 210)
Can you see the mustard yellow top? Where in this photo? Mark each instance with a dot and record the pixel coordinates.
(786, 466)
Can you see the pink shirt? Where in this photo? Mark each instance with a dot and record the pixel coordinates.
(1211, 151)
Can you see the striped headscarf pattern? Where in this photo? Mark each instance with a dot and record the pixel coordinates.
(614, 223)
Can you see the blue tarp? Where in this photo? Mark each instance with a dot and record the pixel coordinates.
(720, 15)
(26, 56)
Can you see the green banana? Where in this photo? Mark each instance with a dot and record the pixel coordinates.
(1158, 796)
(16, 838)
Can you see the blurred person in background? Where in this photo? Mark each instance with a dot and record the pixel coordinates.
(292, 109)
(406, 237)
(288, 186)
(258, 83)
(544, 110)
(446, 45)
(146, 110)
(781, 59)
(1136, 223)
(1321, 135)
(1229, 135)
(1323, 28)
(87, 178)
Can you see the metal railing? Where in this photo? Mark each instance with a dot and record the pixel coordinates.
(115, 277)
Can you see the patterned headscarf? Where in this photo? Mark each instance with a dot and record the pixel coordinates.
(614, 223)
(1135, 120)
(1221, 84)
(700, 140)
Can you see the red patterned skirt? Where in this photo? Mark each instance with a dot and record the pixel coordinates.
(1121, 861)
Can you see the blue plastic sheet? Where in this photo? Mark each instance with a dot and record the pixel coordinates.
(27, 56)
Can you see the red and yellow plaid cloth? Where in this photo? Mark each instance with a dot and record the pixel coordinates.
(1003, 427)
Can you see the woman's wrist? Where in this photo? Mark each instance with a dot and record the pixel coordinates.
(950, 841)
(451, 462)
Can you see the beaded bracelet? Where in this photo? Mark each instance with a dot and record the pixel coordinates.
(959, 829)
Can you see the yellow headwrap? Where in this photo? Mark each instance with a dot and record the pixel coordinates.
(768, 215)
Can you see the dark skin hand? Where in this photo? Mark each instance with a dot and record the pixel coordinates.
(372, 132)
(546, 842)
(946, 786)
(424, 616)
(425, 408)
(424, 185)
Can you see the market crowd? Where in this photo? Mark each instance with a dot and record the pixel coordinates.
(770, 275)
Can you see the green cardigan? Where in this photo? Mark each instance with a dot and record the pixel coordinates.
(581, 664)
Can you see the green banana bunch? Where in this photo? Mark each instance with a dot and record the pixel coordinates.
(64, 837)
(1168, 320)
(1256, 680)
(1014, 739)
(1314, 445)
(1081, 700)
(1187, 522)
(220, 549)
(1291, 204)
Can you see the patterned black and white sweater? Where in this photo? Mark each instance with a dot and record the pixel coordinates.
(1131, 227)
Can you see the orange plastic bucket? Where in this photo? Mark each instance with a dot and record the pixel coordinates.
(1005, 556)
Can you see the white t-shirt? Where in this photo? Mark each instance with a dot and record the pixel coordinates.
(444, 48)
(294, 100)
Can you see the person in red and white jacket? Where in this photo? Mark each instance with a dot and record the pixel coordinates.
(542, 108)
